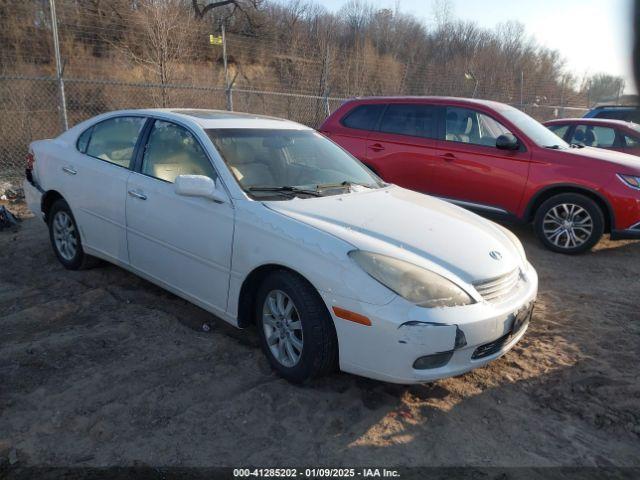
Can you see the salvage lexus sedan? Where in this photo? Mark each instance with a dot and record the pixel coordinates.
(263, 221)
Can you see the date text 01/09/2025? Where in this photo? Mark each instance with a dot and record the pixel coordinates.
(315, 473)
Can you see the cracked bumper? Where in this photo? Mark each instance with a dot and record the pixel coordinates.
(400, 333)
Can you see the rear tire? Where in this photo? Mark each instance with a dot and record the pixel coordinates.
(65, 238)
(296, 331)
(569, 223)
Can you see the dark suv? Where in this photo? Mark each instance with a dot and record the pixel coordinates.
(615, 112)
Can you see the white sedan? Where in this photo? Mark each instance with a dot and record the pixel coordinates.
(264, 221)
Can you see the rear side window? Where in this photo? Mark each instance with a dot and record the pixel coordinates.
(363, 117)
(114, 140)
(414, 120)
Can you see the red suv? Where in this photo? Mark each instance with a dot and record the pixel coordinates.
(493, 158)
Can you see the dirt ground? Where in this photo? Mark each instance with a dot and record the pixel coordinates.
(101, 368)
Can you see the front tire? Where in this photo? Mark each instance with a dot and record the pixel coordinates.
(65, 238)
(569, 223)
(296, 331)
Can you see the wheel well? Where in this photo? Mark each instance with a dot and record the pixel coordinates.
(247, 297)
(48, 200)
(543, 196)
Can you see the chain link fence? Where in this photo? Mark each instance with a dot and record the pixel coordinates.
(31, 107)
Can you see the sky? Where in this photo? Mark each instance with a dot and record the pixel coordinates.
(592, 36)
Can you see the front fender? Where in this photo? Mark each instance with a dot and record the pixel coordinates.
(265, 237)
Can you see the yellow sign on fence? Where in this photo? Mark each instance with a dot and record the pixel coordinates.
(215, 39)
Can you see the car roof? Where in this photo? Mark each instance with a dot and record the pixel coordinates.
(219, 119)
(616, 107)
(592, 121)
(433, 99)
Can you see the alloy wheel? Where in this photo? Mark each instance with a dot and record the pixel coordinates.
(567, 225)
(64, 235)
(282, 328)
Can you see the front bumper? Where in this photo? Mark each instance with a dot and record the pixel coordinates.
(400, 333)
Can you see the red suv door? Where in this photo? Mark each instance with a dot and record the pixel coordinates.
(472, 169)
(403, 148)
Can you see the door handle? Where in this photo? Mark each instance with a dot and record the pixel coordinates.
(138, 195)
(448, 157)
(69, 170)
(376, 147)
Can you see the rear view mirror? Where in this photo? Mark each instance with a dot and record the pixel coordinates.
(199, 186)
(507, 141)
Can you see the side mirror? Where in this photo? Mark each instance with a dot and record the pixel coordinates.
(507, 141)
(199, 186)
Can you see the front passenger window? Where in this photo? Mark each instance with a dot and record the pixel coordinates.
(171, 151)
(594, 136)
(469, 126)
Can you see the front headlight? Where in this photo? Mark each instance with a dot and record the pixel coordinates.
(630, 181)
(419, 286)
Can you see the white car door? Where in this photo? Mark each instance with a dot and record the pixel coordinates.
(96, 183)
(182, 242)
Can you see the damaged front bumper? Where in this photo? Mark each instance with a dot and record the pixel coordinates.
(408, 344)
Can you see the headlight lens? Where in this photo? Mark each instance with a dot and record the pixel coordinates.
(419, 286)
(630, 180)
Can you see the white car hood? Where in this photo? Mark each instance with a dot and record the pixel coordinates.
(413, 227)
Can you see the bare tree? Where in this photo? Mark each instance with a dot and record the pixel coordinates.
(602, 87)
(159, 40)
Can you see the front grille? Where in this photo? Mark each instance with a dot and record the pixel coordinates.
(499, 288)
(491, 347)
(520, 322)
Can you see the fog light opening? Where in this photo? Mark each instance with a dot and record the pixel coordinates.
(436, 360)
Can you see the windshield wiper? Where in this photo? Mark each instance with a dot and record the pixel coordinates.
(345, 184)
(287, 190)
(553, 147)
(576, 145)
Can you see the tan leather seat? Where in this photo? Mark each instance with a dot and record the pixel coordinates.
(247, 168)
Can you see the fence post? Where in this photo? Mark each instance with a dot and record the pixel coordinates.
(521, 89)
(564, 81)
(227, 87)
(56, 48)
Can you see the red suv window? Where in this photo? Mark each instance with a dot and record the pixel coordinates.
(364, 117)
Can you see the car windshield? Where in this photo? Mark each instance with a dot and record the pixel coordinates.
(537, 133)
(288, 163)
